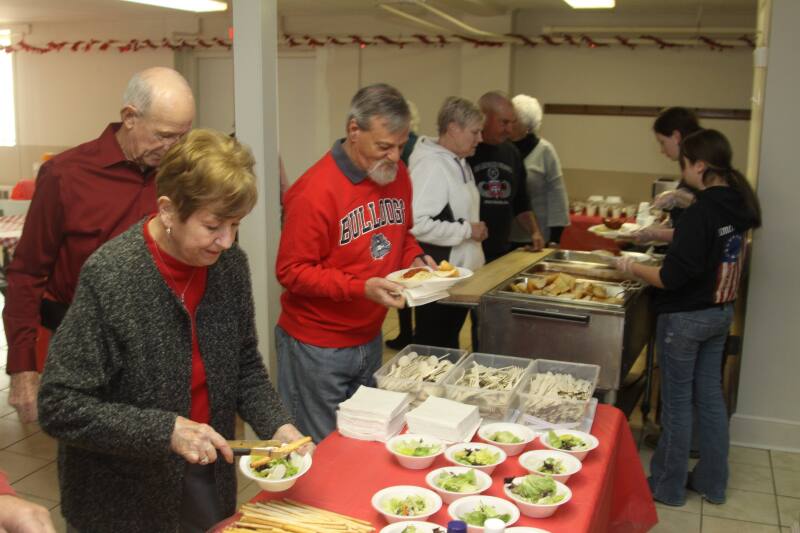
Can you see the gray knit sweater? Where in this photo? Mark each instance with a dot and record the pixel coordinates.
(119, 372)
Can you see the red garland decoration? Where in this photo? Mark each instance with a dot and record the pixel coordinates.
(387, 40)
(549, 40)
(336, 41)
(477, 43)
(714, 45)
(423, 39)
(660, 42)
(750, 42)
(591, 43)
(569, 40)
(625, 42)
(359, 41)
(313, 43)
(525, 41)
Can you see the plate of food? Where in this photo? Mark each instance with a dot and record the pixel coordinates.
(614, 231)
(445, 274)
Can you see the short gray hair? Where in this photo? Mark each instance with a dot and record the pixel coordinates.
(459, 110)
(379, 100)
(529, 111)
(492, 101)
(139, 93)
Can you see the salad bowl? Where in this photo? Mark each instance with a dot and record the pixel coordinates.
(406, 502)
(276, 483)
(558, 465)
(415, 451)
(478, 455)
(537, 497)
(475, 509)
(420, 527)
(511, 438)
(454, 482)
(575, 443)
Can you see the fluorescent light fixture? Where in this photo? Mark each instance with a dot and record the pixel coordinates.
(591, 4)
(198, 6)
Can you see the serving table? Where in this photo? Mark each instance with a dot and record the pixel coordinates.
(609, 494)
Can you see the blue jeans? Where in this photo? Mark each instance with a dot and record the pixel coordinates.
(313, 381)
(690, 348)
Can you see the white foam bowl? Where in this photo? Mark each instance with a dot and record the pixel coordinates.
(483, 479)
(590, 441)
(533, 459)
(462, 506)
(274, 485)
(450, 452)
(523, 432)
(410, 461)
(432, 502)
(422, 527)
(535, 510)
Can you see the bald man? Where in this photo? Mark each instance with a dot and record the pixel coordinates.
(84, 197)
(501, 178)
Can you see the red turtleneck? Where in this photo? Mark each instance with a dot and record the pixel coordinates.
(181, 277)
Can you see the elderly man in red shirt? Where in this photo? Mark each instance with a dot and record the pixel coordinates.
(84, 197)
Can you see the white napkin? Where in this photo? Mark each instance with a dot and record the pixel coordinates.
(377, 403)
(424, 295)
(443, 418)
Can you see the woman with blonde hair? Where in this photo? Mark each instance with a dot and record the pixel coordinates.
(158, 354)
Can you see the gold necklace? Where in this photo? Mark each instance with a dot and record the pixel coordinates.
(182, 295)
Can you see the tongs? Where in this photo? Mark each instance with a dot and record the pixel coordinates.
(269, 449)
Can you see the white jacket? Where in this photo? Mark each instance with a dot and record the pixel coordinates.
(441, 178)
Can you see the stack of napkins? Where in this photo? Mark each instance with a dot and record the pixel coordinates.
(424, 294)
(445, 419)
(372, 414)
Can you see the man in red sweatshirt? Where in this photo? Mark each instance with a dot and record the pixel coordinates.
(347, 224)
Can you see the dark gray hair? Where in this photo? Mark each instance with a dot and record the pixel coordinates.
(379, 100)
(138, 93)
(459, 110)
(492, 101)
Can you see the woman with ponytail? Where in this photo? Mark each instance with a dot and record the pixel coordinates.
(699, 280)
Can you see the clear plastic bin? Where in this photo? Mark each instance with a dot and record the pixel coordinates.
(420, 390)
(492, 404)
(549, 408)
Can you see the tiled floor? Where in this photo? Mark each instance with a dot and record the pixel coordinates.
(764, 493)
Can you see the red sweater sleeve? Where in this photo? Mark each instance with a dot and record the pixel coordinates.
(305, 243)
(5, 487)
(30, 269)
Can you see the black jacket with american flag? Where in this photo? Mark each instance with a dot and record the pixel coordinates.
(704, 263)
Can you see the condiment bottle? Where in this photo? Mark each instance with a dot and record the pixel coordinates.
(456, 526)
(494, 525)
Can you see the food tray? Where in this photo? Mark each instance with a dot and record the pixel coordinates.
(594, 271)
(555, 411)
(492, 404)
(418, 389)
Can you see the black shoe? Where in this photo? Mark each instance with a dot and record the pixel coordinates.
(398, 343)
(651, 441)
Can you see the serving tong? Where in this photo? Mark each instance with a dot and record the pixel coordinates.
(268, 449)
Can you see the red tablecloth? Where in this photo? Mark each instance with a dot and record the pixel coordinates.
(610, 493)
(577, 236)
(10, 231)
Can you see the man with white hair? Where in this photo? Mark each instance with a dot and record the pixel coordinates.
(84, 197)
(347, 224)
(500, 177)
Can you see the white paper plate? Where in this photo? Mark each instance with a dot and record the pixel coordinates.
(397, 277)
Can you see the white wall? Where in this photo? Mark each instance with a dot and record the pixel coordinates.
(767, 410)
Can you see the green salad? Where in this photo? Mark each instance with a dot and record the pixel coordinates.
(273, 468)
(565, 442)
(537, 490)
(482, 513)
(476, 457)
(466, 482)
(505, 437)
(551, 466)
(416, 448)
(409, 506)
